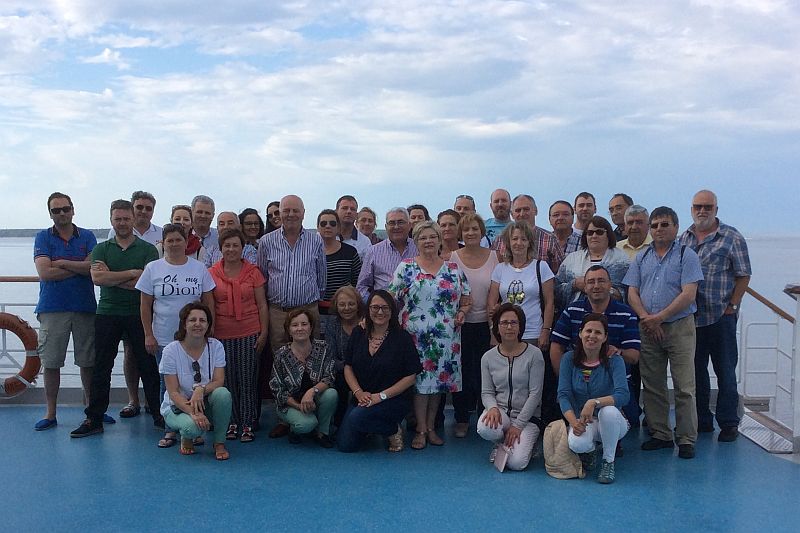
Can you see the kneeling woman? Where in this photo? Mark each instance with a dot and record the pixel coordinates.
(194, 372)
(590, 387)
(380, 364)
(511, 388)
(302, 381)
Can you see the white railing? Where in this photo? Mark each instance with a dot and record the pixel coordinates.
(769, 367)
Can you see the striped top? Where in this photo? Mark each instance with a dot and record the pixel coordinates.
(295, 274)
(623, 324)
(344, 266)
(380, 262)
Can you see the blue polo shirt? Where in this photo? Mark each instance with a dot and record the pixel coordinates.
(623, 324)
(659, 279)
(75, 293)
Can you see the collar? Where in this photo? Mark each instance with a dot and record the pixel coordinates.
(75, 232)
(692, 229)
(135, 242)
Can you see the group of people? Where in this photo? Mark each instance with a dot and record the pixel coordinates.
(523, 326)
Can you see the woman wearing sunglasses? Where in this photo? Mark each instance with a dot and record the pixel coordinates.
(194, 371)
(273, 216)
(598, 247)
(342, 261)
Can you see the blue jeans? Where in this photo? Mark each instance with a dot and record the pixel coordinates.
(717, 340)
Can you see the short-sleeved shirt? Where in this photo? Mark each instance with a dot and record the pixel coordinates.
(116, 300)
(522, 284)
(75, 293)
(172, 287)
(176, 362)
(623, 324)
(724, 257)
(660, 279)
(235, 301)
(395, 359)
(494, 228)
(152, 235)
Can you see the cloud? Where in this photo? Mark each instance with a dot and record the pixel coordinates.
(108, 57)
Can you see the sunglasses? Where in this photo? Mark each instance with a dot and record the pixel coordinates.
(660, 225)
(143, 207)
(326, 223)
(58, 210)
(703, 207)
(598, 231)
(273, 214)
(196, 369)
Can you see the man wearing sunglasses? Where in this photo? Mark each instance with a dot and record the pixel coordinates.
(347, 210)
(726, 268)
(66, 300)
(662, 287)
(144, 207)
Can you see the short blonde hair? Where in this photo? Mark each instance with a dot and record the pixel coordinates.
(422, 226)
(469, 218)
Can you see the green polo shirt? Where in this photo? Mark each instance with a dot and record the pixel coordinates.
(115, 300)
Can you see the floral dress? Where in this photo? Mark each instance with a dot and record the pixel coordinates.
(428, 305)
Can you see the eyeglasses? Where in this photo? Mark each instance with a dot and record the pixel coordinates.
(598, 232)
(196, 368)
(251, 224)
(326, 223)
(660, 225)
(380, 308)
(508, 323)
(703, 207)
(58, 210)
(143, 207)
(396, 223)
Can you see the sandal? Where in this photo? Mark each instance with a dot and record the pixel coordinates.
(130, 411)
(396, 441)
(434, 439)
(168, 440)
(187, 448)
(220, 453)
(231, 433)
(247, 434)
(420, 440)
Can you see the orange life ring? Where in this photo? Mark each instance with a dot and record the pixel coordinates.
(25, 377)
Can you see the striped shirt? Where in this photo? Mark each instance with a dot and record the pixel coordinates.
(344, 266)
(724, 257)
(295, 274)
(380, 262)
(661, 279)
(623, 324)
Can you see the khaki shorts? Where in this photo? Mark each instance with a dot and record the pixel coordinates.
(54, 332)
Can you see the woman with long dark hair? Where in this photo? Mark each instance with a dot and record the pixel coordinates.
(380, 366)
(591, 388)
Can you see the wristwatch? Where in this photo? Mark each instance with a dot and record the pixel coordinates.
(316, 391)
(596, 403)
(735, 307)
(383, 396)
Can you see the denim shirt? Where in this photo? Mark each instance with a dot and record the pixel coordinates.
(574, 391)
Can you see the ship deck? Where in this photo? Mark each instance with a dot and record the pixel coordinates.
(120, 481)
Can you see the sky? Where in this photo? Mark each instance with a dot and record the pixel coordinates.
(400, 103)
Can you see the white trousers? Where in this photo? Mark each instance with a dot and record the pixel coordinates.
(609, 427)
(520, 454)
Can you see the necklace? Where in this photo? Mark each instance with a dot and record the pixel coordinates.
(375, 342)
(518, 269)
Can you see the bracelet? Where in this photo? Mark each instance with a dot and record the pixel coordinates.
(357, 391)
(548, 329)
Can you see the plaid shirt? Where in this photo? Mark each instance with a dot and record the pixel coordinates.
(723, 256)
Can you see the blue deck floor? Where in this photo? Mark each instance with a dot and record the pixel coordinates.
(120, 481)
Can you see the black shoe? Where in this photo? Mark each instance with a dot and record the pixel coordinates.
(87, 428)
(686, 451)
(294, 438)
(159, 423)
(705, 428)
(656, 444)
(728, 434)
(324, 441)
